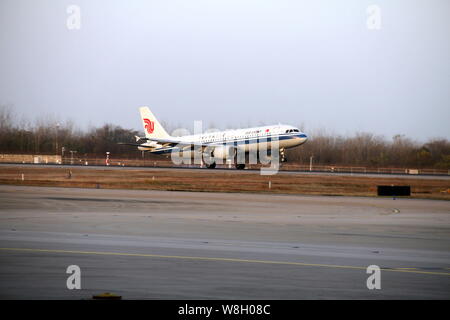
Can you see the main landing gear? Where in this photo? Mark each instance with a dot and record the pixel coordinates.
(240, 166)
(211, 166)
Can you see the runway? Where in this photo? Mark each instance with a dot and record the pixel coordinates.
(195, 245)
(197, 169)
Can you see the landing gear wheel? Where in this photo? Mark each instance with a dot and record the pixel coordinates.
(282, 156)
(211, 166)
(240, 166)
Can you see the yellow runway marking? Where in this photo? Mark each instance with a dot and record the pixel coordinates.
(124, 254)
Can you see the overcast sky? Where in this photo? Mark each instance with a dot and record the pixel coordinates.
(232, 63)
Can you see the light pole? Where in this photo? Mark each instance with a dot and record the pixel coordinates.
(56, 139)
(71, 155)
(310, 162)
(62, 154)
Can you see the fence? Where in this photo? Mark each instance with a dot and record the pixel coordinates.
(366, 170)
(30, 158)
(167, 163)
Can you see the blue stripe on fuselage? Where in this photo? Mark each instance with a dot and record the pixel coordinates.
(242, 141)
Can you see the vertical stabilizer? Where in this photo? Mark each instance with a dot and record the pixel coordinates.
(152, 127)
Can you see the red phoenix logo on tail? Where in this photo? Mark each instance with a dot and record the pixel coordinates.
(149, 126)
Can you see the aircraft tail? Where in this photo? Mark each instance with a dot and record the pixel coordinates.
(152, 127)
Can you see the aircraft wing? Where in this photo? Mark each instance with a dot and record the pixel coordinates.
(167, 143)
(172, 143)
(181, 143)
(130, 144)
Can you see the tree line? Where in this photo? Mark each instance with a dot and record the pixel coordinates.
(369, 150)
(361, 149)
(53, 137)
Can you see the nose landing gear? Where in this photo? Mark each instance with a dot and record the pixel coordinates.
(282, 155)
(240, 166)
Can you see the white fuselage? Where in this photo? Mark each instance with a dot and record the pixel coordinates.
(247, 139)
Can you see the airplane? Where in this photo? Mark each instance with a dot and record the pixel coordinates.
(220, 145)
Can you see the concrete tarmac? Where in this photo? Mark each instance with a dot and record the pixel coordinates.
(188, 245)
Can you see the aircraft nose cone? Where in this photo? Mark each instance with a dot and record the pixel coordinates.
(304, 138)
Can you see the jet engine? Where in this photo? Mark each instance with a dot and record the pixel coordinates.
(223, 152)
